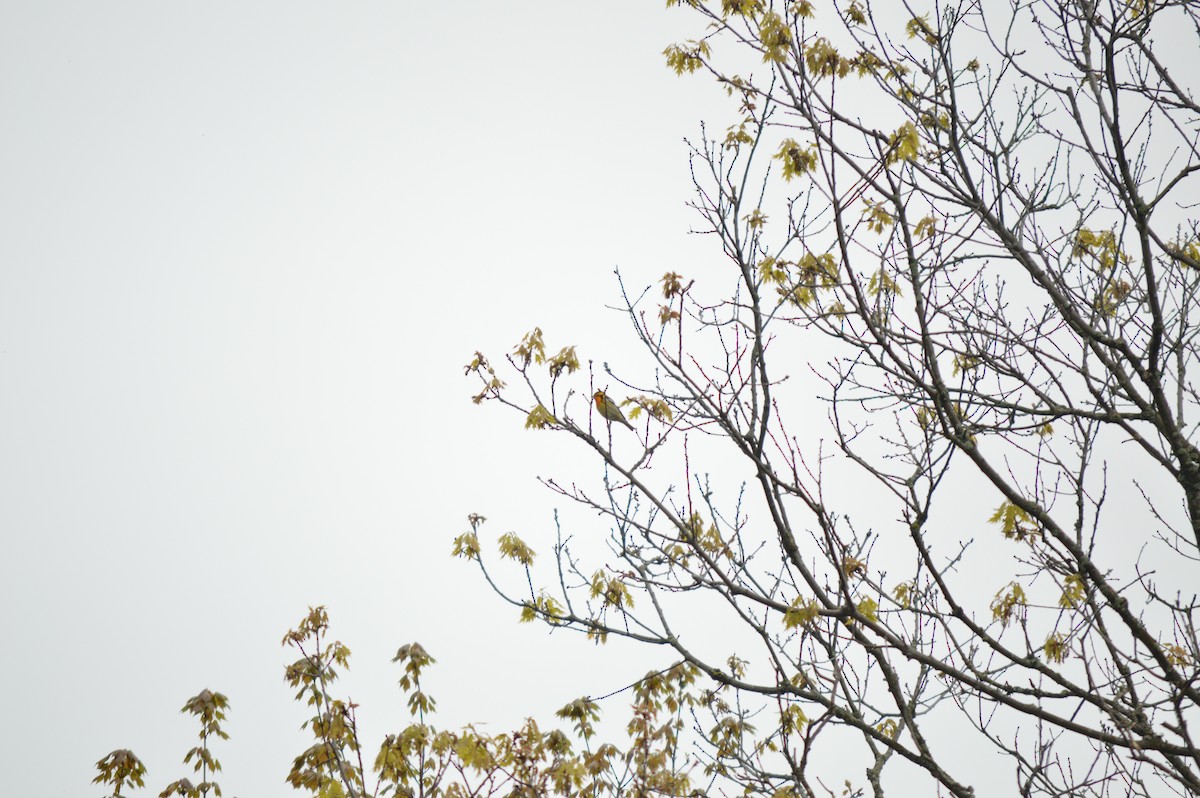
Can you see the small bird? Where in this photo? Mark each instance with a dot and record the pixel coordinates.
(609, 409)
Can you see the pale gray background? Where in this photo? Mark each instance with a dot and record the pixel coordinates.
(245, 251)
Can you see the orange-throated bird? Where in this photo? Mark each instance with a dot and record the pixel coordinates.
(609, 409)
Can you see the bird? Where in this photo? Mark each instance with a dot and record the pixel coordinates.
(609, 409)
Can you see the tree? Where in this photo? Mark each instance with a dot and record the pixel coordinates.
(122, 768)
(968, 229)
(426, 761)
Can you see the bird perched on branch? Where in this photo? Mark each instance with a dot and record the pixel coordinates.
(609, 409)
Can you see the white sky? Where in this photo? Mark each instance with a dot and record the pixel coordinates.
(245, 251)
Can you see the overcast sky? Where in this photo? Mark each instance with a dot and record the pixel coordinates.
(245, 251)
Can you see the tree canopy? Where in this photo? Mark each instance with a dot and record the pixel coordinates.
(949, 351)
